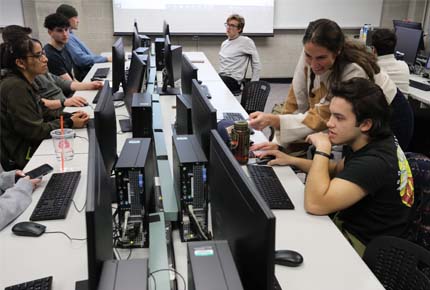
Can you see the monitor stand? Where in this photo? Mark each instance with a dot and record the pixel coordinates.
(168, 91)
(125, 125)
(118, 96)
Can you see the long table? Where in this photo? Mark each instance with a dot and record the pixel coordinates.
(330, 262)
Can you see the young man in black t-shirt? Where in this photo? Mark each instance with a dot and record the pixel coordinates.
(372, 187)
(59, 60)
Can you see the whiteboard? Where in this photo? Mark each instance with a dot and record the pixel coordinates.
(192, 16)
(11, 13)
(296, 14)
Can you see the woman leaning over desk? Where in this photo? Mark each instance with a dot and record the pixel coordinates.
(328, 58)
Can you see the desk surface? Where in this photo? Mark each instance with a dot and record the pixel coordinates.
(329, 260)
(419, 95)
(27, 258)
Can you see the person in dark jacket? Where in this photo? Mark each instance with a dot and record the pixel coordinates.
(23, 123)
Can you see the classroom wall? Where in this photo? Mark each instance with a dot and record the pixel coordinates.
(278, 54)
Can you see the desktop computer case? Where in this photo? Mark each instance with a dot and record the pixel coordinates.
(141, 115)
(211, 267)
(189, 178)
(134, 178)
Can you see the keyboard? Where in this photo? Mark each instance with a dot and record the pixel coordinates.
(269, 186)
(101, 73)
(39, 284)
(233, 116)
(419, 85)
(57, 196)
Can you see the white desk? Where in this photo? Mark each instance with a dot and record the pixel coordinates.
(28, 258)
(329, 260)
(419, 95)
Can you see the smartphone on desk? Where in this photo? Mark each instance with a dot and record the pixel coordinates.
(39, 171)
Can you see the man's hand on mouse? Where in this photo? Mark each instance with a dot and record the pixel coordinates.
(280, 158)
(75, 101)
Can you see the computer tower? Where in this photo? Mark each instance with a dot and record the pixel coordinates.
(134, 178)
(189, 178)
(211, 267)
(184, 125)
(124, 275)
(141, 115)
(159, 52)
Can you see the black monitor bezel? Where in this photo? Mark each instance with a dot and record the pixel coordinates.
(188, 72)
(203, 115)
(240, 216)
(410, 56)
(98, 213)
(135, 80)
(105, 126)
(118, 65)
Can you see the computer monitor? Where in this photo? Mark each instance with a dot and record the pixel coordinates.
(172, 67)
(137, 76)
(407, 43)
(136, 38)
(240, 216)
(203, 115)
(166, 29)
(105, 126)
(410, 25)
(118, 67)
(139, 40)
(98, 213)
(188, 73)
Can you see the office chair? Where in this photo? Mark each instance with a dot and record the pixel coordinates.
(254, 96)
(398, 263)
(419, 230)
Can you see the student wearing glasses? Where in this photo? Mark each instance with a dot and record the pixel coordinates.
(23, 123)
(235, 53)
(54, 91)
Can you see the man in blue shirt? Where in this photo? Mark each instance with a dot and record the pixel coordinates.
(82, 56)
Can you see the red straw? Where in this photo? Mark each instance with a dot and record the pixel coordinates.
(62, 142)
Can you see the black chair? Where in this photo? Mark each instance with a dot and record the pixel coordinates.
(254, 96)
(419, 230)
(398, 263)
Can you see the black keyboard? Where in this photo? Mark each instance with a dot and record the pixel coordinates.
(39, 284)
(57, 197)
(419, 85)
(233, 116)
(101, 73)
(269, 186)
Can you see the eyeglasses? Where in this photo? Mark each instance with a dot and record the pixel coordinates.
(231, 25)
(38, 55)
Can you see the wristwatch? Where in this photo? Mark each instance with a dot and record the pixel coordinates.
(62, 101)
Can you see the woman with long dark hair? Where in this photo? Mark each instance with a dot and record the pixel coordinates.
(328, 58)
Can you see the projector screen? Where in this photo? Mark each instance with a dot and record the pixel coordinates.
(196, 17)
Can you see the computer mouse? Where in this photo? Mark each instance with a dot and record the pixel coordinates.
(288, 258)
(29, 229)
(264, 160)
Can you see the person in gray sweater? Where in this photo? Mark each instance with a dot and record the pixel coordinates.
(235, 54)
(14, 197)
